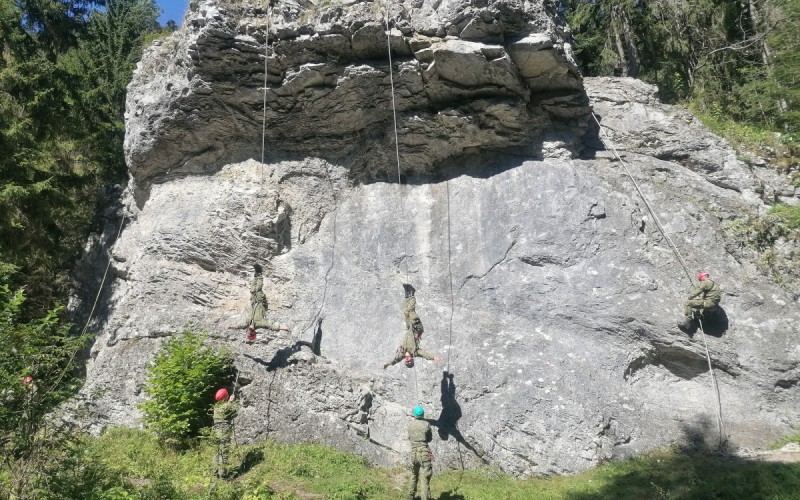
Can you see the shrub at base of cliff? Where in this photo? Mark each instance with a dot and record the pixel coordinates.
(181, 384)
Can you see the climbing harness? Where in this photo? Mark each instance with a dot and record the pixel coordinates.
(685, 269)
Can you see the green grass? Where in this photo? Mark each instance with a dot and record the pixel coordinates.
(789, 214)
(792, 438)
(751, 138)
(129, 464)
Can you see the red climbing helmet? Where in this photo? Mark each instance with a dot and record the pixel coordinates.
(221, 395)
(702, 276)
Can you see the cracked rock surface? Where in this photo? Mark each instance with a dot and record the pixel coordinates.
(542, 279)
(467, 77)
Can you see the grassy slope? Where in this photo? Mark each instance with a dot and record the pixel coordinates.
(133, 465)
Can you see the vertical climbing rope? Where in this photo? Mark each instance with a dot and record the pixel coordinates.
(264, 101)
(450, 274)
(394, 117)
(685, 269)
(397, 156)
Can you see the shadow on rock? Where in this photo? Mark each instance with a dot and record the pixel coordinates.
(691, 470)
(717, 324)
(281, 358)
(447, 423)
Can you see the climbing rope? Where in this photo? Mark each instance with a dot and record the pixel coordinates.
(450, 274)
(394, 118)
(399, 177)
(647, 203)
(685, 269)
(264, 101)
(91, 312)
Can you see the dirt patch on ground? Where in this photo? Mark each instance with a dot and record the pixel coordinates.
(788, 454)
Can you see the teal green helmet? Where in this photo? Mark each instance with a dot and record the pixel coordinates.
(419, 412)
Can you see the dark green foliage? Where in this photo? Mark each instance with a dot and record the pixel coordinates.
(181, 385)
(44, 350)
(738, 60)
(64, 66)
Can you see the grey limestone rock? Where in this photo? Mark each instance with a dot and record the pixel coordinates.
(542, 279)
(496, 77)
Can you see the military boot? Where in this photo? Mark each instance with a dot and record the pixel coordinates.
(409, 290)
(686, 325)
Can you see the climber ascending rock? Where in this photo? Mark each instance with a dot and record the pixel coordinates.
(410, 346)
(702, 303)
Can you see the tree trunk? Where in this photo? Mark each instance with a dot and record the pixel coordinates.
(630, 41)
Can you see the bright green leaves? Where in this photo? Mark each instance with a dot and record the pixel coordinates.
(44, 350)
(181, 386)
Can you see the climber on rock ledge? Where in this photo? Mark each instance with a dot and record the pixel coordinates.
(702, 303)
(410, 346)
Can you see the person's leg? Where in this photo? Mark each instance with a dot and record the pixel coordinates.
(412, 482)
(425, 479)
(690, 306)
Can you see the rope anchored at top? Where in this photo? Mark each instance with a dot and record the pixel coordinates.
(682, 262)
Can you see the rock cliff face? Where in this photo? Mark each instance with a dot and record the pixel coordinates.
(468, 77)
(541, 277)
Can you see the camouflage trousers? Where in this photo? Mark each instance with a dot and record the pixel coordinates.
(221, 459)
(421, 473)
(696, 308)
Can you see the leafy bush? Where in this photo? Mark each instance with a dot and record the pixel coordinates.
(44, 350)
(181, 384)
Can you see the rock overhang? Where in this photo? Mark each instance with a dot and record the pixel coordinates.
(197, 99)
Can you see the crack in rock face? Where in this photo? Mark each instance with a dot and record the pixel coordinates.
(541, 278)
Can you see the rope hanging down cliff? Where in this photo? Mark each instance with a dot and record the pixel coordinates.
(681, 261)
(400, 185)
(399, 177)
(396, 139)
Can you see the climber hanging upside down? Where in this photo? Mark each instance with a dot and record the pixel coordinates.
(257, 317)
(410, 347)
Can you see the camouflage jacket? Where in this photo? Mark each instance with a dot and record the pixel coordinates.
(419, 433)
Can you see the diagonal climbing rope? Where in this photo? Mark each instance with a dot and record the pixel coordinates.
(68, 365)
(647, 204)
(682, 263)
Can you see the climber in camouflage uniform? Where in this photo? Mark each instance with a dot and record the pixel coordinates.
(703, 299)
(224, 412)
(410, 346)
(419, 434)
(257, 318)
